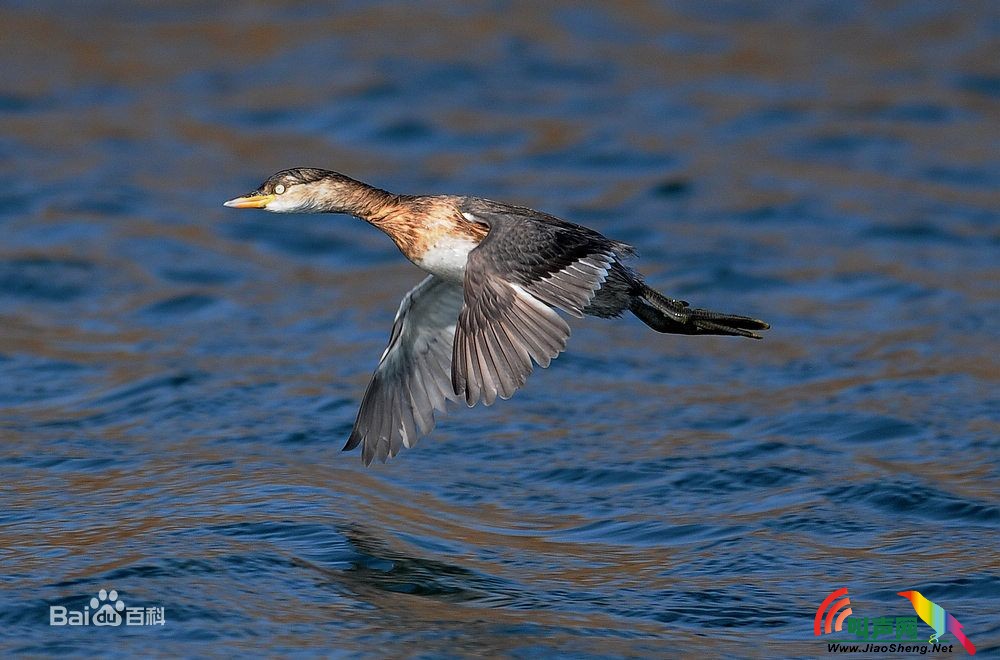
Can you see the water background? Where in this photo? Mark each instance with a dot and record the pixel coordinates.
(177, 379)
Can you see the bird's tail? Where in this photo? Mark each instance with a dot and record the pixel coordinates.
(675, 316)
(955, 628)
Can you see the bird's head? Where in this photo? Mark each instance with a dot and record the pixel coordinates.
(908, 595)
(301, 190)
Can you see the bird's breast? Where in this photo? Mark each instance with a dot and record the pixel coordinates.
(446, 255)
(433, 234)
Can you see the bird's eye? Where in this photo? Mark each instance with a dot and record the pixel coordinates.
(280, 188)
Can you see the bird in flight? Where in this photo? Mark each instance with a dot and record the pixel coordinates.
(473, 327)
(937, 618)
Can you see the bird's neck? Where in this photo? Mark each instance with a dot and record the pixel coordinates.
(404, 218)
(390, 213)
(364, 201)
(401, 217)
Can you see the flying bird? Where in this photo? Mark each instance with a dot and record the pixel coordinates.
(473, 328)
(937, 618)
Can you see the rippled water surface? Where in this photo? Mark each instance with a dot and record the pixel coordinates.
(177, 379)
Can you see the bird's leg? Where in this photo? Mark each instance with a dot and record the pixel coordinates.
(933, 639)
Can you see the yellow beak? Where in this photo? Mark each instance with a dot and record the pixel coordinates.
(250, 202)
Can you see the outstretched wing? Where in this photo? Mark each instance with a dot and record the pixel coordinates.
(528, 264)
(413, 377)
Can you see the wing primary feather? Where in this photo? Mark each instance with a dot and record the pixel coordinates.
(485, 376)
(354, 440)
(501, 365)
(420, 401)
(400, 411)
(368, 451)
(380, 416)
(542, 331)
(458, 374)
(511, 364)
(526, 335)
(486, 368)
(532, 337)
(385, 435)
(538, 311)
(438, 391)
(516, 354)
(409, 429)
(473, 385)
(525, 365)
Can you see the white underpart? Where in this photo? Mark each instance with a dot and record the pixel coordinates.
(447, 257)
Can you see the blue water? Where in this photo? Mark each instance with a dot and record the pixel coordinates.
(177, 379)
